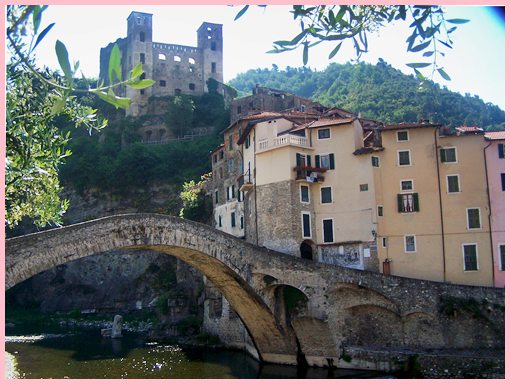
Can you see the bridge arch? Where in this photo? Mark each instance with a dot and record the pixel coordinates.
(220, 257)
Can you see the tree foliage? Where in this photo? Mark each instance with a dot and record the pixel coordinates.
(377, 92)
(36, 101)
(430, 30)
(196, 206)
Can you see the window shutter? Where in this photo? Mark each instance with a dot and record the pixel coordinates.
(416, 204)
(298, 158)
(442, 152)
(308, 160)
(331, 161)
(317, 161)
(400, 203)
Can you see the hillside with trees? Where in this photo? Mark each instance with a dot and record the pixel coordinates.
(378, 92)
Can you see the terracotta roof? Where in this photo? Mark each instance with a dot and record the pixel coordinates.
(422, 124)
(326, 122)
(496, 135)
(468, 130)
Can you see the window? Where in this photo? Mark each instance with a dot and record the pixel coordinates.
(230, 165)
(307, 233)
(177, 91)
(409, 243)
(239, 109)
(240, 196)
(380, 210)
(303, 108)
(221, 155)
(241, 223)
(325, 161)
(501, 248)
(162, 83)
(384, 242)
(142, 58)
(375, 161)
(233, 193)
(402, 136)
(324, 133)
(247, 142)
(230, 142)
(406, 185)
(501, 151)
(363, 187)
(473, 218)
(177, 59)
(502, 181)
(191, 61)
(233, 219)
(213, 67)
(216, 197)
(191, 86)
(327, 228)
(470, 257)
(228, 193)
(408, 202)
(215, 159)
(213, 46)
(448, 155)
(162, 56)
(219, 222)
(404, 158)
(452, 184)
(142, 36)
(304, 194)
(326, 195)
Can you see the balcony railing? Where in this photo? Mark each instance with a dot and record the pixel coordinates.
(245, 181)
(282, 141)
(309, 173)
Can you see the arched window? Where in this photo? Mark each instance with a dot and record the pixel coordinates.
(177, 58)
(191, 61)
(162, 56)
(306, 251)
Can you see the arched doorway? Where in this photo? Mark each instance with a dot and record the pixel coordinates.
(306, 250)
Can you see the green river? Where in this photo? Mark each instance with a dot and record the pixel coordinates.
(86, 355)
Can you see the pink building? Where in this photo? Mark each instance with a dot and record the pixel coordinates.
(495, 165)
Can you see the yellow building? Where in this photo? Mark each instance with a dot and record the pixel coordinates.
(433, 205)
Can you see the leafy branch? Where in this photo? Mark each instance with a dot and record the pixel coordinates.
(339, 23)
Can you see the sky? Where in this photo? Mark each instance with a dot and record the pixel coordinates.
(476, 64)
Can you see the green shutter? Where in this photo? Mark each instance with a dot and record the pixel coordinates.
(416, 203)
(297, 159)
(400, 203)
(442, 152)
(331, 161)
(317, 161)
(308, 160)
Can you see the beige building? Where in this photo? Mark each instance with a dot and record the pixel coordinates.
(307, 195)
(432, 204)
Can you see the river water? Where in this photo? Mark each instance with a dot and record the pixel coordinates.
(86, 355)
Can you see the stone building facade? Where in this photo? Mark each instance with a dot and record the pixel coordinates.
(176, 69)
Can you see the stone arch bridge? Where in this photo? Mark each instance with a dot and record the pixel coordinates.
(339, 309)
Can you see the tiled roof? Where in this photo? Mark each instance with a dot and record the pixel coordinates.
(496, 135)
(217, 148)
(326, 122)
(422, 124)
(469, 130)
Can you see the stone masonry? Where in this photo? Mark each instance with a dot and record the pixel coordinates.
(348, 309)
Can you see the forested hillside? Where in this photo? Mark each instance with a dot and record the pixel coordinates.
(377, 92)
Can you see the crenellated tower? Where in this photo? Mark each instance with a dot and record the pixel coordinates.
(210, 43)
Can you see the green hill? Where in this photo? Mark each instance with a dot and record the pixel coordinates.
(378, 92)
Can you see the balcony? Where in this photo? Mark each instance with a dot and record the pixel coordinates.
(309, 174)
(245, 182)
(282, 141)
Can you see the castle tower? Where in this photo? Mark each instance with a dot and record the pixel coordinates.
(138, 50)
(210, 43)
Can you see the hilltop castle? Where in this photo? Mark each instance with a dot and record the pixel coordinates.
(177, 69)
